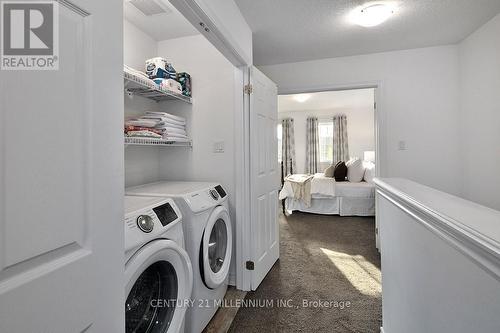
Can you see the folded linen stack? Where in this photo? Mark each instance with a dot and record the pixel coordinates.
(173, 127)
(159, 125)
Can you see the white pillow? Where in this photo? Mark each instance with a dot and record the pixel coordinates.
(355, 170)
(369, 172)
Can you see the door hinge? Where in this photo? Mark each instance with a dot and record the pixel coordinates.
(248, 89)
(250, 265)
(376, 231)
(375, 105)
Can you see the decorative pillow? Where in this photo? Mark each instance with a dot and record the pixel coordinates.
(355, 170)
(369, 172)
(340, 172)
(329, 171)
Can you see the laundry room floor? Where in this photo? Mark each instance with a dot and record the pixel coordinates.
(325, 261)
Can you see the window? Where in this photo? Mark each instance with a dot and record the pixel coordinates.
(280, 135)
(325, 131)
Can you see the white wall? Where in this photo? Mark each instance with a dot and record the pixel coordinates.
(418, 96)
(210, 118)
(137, 46)
(360, 130)
(480, 114)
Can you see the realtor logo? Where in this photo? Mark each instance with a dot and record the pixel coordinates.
(29, 35)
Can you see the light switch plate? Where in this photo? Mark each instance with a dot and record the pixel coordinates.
(219, 147)
(402, 145)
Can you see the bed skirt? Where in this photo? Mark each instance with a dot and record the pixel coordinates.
(343, 206)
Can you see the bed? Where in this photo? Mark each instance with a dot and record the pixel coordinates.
(329, 197)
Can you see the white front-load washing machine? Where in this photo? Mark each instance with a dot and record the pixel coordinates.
(207, 230)
(158, 271)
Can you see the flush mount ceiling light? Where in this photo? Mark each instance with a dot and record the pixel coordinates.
(301, 98)
(372, 15)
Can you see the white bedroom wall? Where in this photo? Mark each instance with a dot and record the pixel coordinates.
(141, 163)
(480, 114)
(360, 130)
(419, 97)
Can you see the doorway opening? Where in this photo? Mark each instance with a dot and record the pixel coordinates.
(327, 228)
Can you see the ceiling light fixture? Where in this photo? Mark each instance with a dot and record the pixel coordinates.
(372, 15)
(301, 98)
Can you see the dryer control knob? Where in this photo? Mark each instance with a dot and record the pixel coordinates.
(145, 223)
(214, 194)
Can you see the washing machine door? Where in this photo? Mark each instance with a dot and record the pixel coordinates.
(159, 281)
(216, 248)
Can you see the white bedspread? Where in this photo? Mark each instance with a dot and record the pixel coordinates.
(320, 185)
(323, 185)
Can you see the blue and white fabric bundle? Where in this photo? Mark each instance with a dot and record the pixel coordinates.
(163, 74)
(160, 68)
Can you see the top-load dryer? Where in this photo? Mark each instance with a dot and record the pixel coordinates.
(208, 235)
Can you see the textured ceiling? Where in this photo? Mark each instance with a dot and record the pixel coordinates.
(298, 30)
(329, 100)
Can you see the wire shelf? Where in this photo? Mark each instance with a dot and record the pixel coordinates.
(138, 85)
(135, 141)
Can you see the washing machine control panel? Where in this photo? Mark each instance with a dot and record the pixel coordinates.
(150, 221)
(205, 199)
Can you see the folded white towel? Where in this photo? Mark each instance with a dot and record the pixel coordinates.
(165, 115)
(142, 122)
(165, 121)
(170, 125)
(172, 130)
(170, 122)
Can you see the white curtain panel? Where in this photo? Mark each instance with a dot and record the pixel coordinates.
(288, 146)
(312, 146)
(340, 144)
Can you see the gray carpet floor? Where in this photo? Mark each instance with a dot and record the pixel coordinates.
(328, 258)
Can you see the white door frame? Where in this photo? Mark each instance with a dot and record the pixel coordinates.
(242, 174)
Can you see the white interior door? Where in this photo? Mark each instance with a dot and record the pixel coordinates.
(264, 177)
(61, 181)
